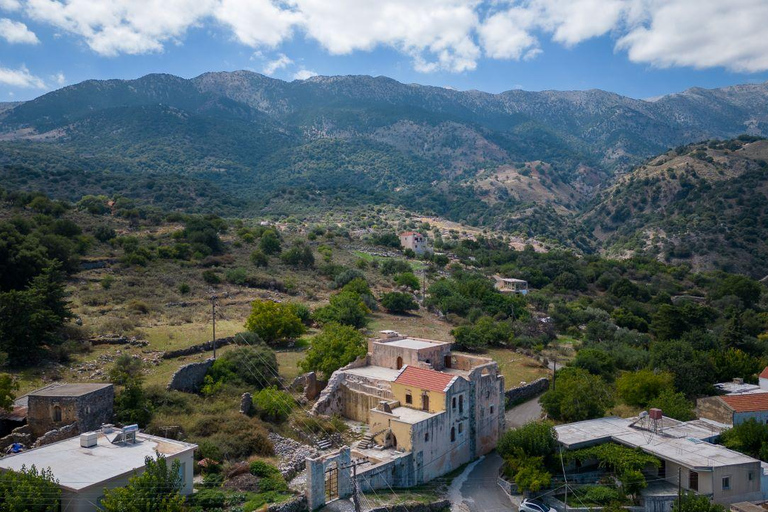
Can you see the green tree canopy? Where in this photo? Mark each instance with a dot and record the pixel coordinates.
(641, 387)
(336, 346)
(398, 303)
(156, 489)
(578, 395)
(274, 321)
(29, 490)
(346, 307)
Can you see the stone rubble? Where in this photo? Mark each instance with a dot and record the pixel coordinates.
(292, 455)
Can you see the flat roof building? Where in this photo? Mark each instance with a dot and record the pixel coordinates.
(84, 472)
(86, 404)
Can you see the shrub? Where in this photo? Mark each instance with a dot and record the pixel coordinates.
(259, 259)
(209, 499)
(408, 279)
(641, 387)
(336, 346)
(126, 369)
(534, 439)
(211, 277)
(184, 288)
(392, 266)
(578, 396)
(254, 365)
(273, 405)
(262, 469)
(398, 303)
(237, 276)
(270, 243)
(346, 308)
(347, 276)
(300, 255)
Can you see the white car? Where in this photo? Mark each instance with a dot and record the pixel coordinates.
(531, 505)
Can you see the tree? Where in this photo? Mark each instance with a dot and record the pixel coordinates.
(674, 405)
(690, 502)
(640, 387)
(132, 405)
(253, 365)
(259, 259)
(393, 266)
(693, 370)
(536, 439)
(749, 437)
(300, 255)
(597, 362)
(31, 318)
(485, 332)
(274, 321)
(336, 346)
(398, 303)
(270, 243)
(273, 405)
(156, 489)
(7, 387)
(347, 308)
(29, 490)
(746, 289)
(408, 279)
(578, 396)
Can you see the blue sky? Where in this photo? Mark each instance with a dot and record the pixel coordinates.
(639, 48)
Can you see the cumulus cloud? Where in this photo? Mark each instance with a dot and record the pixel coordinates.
(303, 74)
(282, 61)
(20, 78)
(59, 78)
(16, 32)
(437, 35)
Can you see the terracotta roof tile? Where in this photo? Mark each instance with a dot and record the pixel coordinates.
(424, 379)
(764, 373)
(752, 402)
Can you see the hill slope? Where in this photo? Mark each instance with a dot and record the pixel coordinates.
(705, 204)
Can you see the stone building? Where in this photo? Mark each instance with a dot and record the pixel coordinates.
(415, 242)
(52, 407)
(428, 409)
(734, 409)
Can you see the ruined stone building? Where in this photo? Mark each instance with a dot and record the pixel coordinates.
(59, 405)
(428, 410)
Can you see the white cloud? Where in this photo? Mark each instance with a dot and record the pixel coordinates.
(59, 78)
(282, 61)
(10, 5)
(438, 35)
(303, 74)
(20, 78)
(16, 32)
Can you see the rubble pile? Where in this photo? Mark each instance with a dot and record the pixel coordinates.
(292, 455)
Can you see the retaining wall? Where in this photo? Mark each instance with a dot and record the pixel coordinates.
(526, 392)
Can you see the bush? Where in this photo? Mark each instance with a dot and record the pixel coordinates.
(211, 277)
(534, 439)
(126, 369)
(259, 259)
(237, 276)
(274, 321)
(578, 396)
(641, 387)
(270, 243)
(392, 267)
(300, 255)
(347, 276)
(273, 405)
(398, 303)
(485, 332)
(253, 365)
(347, 308)
(209, 499)
(184, 288)
(263, 470)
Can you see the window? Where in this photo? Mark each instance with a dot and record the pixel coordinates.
(426, 437)
(750, 476)
(425, 402)
(461, 404)
(56, 413)
(491, 409)
(408, 397)
(453, 402)
(726, 483)
(461, 428)
(453, 434)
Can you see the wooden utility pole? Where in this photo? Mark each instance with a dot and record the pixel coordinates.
(554, 371)
(355, 486)
(679, 488)
(213, 317)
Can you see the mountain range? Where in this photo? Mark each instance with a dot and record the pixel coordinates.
(536, 163)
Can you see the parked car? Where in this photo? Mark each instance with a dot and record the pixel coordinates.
(531, 505)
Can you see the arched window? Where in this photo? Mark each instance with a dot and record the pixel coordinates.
(461, 404)
(453, 434)
(453, 402)
(425, 402)
(408, 397)
(461, 428)
(399, 362)
(56, 413)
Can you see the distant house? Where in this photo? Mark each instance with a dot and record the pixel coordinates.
(734, 409)
(415, 242)
(87, 464)
(510, 285)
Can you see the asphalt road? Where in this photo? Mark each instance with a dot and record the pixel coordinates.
(523, 413)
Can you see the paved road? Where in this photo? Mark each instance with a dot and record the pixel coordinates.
(476, 490)
(523, 413)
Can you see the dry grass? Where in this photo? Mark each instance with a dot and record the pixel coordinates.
(420, 325)
(517, 368)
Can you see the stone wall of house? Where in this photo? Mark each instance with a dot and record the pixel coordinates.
(330, 400)
(189, 378)
(21, 435)
(89, 411)
(56, 435)
(527, 391)
(713, 408)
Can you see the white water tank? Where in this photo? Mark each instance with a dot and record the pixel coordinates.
(89, 439)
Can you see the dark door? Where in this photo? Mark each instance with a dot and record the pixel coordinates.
(693, 481)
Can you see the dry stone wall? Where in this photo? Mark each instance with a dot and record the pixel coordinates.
(528, 391)
(189, 378)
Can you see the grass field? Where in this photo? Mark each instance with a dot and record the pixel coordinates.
(517, 368)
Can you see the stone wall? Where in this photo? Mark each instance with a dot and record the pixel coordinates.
(190, 377)
(386, 475)
(199, 348)
(21, 435)
(330, 400)
(89, 410)
(713, 408)
(298, 504)
(57, 435)
(527, 391)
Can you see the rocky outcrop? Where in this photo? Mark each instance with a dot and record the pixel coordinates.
(190, 377)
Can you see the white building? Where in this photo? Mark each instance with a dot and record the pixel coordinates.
(415, 242)
(84, 472)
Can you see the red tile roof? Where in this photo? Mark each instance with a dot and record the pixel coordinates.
(764, 373)
(752, 402)
(424, 379)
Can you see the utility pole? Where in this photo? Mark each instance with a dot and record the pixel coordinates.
(355, 486)
(679, 488)
(554, 371)
(213, 317)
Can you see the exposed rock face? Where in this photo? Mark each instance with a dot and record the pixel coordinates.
(190, 377)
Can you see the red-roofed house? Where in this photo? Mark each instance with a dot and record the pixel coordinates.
(764, 379)
(734, 409)
(414, 241)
